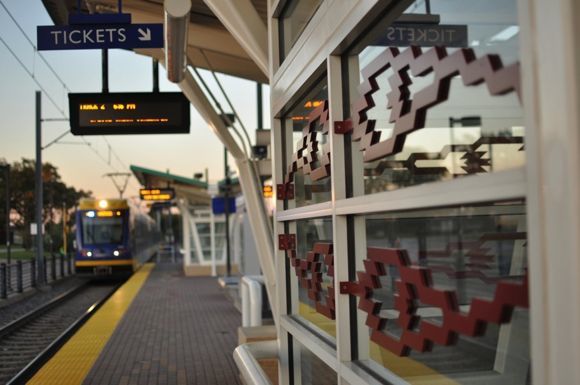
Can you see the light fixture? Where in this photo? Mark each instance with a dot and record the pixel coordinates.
(176, 25)
(89, 253)
(505, 34)
(103, 203)
(116, 253)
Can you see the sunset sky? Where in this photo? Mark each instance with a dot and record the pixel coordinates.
(79, 164)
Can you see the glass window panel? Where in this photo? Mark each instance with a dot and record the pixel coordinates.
(311, 235)
(308, 187)
(473, 256)
(293, 20)
(472, 132)
(313, 371)
(99, 231)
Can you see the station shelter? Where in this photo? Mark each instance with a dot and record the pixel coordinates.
(425, 158)
(200, 238)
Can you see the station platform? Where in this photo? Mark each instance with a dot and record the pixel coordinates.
(160, 327)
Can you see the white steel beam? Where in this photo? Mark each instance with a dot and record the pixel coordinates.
(258, 218)
(551, 80)
(184, 208)
(242, 20)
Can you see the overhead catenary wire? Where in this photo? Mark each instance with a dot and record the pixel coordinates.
(219, 107)
(227, 98)
(34, 46)
(237, 116)
(253, 163)
(31, 74)
(44, 91)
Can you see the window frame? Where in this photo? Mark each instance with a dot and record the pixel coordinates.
(288, 80)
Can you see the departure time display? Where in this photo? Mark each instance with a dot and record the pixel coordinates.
(157, 194)
(129, 113)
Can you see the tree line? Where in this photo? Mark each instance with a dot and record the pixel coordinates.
(58, 198)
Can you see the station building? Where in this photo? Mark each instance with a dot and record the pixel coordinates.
(425, 159)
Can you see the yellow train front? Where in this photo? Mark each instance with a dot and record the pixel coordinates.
(112, 238)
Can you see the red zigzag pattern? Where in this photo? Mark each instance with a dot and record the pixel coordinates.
(408, 114)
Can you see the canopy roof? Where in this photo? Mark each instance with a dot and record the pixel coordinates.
(211, 46)
(194, 190)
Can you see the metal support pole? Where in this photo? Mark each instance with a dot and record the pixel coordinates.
(39, 199)
(61, 263)
(105, 65)
(8, 242)
(155, 75)
(227, 213)
(3, 285)
(33, 273)
(53, 267)
(259, 105)
(64, 228)
(19, 276)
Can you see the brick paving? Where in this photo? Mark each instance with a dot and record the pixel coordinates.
(178, 330)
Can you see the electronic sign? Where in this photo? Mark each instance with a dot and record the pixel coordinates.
(267, 191)
(157, 194)
(129, 113)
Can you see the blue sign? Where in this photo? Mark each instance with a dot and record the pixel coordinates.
(218, 206)
(97, 36)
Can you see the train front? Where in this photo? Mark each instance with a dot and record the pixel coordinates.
(102, 234)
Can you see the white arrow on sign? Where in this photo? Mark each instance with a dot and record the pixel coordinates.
(145, 36)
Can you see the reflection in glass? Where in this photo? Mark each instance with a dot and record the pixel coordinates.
(293, 20)
(468, 250)
(313, 371)
(307, 190)
(308, 233)
(470, 133)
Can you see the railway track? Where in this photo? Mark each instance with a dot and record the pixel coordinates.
(28, 342)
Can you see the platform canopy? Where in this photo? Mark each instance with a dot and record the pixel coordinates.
(210, 45)
(191, 189)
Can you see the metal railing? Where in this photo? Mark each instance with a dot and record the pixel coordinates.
(17, 277)
(246, 357)
(251, 290)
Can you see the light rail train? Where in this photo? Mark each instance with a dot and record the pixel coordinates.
(113, 238)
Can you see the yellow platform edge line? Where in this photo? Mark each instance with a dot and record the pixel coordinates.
(71, 364)
(110, 262)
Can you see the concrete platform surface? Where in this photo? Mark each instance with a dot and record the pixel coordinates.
(177, 330)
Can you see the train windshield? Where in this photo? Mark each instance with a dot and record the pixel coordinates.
(102, 230)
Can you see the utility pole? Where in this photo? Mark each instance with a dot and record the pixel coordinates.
(227, 212)
(121, 187)
(7, 181)
(39, 200)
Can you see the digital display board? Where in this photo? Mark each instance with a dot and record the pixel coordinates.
(267, 191)
(157, 194)
(129, 113)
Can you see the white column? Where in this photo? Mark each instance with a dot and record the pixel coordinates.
(186, 233)
(550, 37)
(251, 189)
(244, 23)
(212, 241)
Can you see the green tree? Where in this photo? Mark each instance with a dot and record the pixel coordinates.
(57, 195)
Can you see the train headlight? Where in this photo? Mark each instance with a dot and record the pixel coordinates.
(116, 253)
(103, 203)
(89, 253)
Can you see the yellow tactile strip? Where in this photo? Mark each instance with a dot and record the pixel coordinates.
(74, 360)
